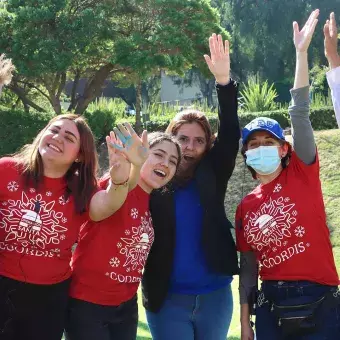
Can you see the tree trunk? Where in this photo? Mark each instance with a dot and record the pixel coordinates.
(93, 88)
(22, 95)
(74, 91)
(138, 125)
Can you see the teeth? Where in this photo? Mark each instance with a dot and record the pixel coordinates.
(54, 148)
(160, 172)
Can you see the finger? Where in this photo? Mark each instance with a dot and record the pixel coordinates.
(296, 28)
(220, 45)
(145, 139)
(212, 47)
(326, 30)
(130, 129)
(215, 43)
(209, 62)
(312, 28)
(123, 130)
(333, 28)
(226, 48)
(120, 136)
(310, 20)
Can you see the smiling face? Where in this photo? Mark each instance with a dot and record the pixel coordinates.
(60, 143)
(192, 140)
(161, 165)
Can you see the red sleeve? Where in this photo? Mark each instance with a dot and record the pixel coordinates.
(7, 166)
(310, 172)
(241, 242)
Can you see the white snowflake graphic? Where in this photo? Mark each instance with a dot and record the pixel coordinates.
(140, 271)
(49, 193)
(270, 224)
(62, 237)
(294, 213)
(64, 219)
(128, 270)
(13, 186)
(115, 262)
(274, 249)
(119, 245)
(62, 200)
(134, 213)
(32, 221)
(32, 190)
(277, 188)
(127, 232)
(299, 231)
(308, 245)
(57, 250)
(136, 248)
(107, 274)
(287, 199)
(285, 243)
(4, 203)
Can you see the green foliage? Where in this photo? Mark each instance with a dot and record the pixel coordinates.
(258, 95)
(320, 100)
(18, 128)
(323, 118)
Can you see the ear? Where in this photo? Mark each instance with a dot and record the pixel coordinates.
(79, 158)
(283, 150)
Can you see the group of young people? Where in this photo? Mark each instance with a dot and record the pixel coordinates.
(157, 217)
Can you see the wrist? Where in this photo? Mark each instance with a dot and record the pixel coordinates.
(223, 81)
(334, 61)
(120, 183)
(301, 54)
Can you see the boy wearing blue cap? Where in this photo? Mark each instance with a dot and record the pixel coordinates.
(281, 228)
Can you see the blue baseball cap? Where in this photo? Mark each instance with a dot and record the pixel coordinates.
(262, 124)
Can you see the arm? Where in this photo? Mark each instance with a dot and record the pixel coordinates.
(331, 53)
(303, 137)
(126, 159)
(226, 144)
(247, 286)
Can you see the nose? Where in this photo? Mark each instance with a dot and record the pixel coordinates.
(165, 163)
(190, 145)
(57, 138)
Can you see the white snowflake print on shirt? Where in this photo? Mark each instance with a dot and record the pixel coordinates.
(134, 213)
(115, 262)
(277, 188)
(49, 193)
(299, 231)
(270, 224)
(13, 186)
(136, 248)
(32, 221)
(63, 201)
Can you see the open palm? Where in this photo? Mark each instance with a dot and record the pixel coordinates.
(119, 166)
(219, 59)
(303, 38)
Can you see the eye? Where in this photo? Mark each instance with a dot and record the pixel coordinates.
(200, 141)
(269, 142)
(69, 139)
(173, 163)
(182, 139)
(158, 155)
(53, 130)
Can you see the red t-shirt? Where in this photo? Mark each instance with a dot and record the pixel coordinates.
(110, 256)
(284, 223)
(37, 228)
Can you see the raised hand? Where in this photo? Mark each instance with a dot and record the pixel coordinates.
(6, 69)
(219, 59)
(331, 42)
(119, 166)
(133, 147)
(303, 38)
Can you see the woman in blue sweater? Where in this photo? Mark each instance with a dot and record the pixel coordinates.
(186, 283)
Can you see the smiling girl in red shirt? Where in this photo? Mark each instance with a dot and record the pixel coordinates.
(47, 191)
(109, 259)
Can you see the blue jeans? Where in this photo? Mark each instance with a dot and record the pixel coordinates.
(89, 321)
(193, 317)
(328, 319)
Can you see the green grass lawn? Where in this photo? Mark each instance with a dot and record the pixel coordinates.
(329, 150)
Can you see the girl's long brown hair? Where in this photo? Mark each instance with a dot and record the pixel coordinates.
(80, 177)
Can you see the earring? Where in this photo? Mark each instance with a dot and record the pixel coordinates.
(77, 160)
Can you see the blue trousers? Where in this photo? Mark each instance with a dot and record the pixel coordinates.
(193, 317)
(328, 319)
(89, 321)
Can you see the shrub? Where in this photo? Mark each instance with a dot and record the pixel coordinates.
(258, 96)
(18, 128)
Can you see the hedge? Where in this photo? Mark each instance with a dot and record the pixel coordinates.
(18, 128)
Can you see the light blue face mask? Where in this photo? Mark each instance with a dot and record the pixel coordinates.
(264, 160)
